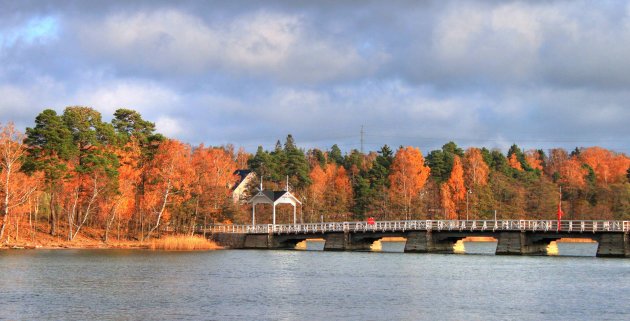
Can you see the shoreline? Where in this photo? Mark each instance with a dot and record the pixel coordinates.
(39, 247)
(101, 246)
(139, 247)
(36, 237)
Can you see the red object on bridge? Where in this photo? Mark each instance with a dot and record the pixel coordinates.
(371, 221)
(560, 213)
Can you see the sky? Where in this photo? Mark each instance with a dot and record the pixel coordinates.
(540, 74)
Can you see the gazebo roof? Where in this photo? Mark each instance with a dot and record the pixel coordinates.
(273, 197)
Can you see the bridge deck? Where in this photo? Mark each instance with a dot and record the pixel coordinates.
(428, 225)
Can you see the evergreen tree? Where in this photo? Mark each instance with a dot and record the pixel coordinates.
(51, 147)
(317, 156)
(379, 172)
(441, 161)
(129, 123)
(542, 156)
(90, 134)
(369, 186)
(435, 160)
(452, 149)
(335, 155)
(289, 143)
(520, 156)
(363, 197)
(354, 162)
(277, 164)
(576, 152)
(261, 163)
(498, 161)
(487, 156)
(296, 165)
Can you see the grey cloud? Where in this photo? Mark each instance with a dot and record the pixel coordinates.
(537, 73)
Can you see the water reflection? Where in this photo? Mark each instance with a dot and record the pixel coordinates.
(464, 247)
(489, 248)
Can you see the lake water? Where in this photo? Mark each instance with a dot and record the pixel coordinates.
(308, 285)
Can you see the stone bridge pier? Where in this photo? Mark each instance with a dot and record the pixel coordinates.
(610, 244)
(438, 241)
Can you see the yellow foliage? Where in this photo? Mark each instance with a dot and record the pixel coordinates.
(183, 243)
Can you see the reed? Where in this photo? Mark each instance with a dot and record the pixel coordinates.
(182, 243)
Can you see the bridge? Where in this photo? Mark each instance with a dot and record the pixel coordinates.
(514, 237)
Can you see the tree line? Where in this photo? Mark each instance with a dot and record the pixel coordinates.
(74, 170)
(449, 183)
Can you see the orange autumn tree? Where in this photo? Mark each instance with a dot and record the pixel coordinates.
(339, 196)
(242, 157)
(557, 156)
(330, 191)
(475, 168)
(609, 167)
(15, 186)
(572, 173)
(315, 191)
(169, 174)
(28, 187)
(476, 171)
(515, 163)
(408, 174)
(453, 190)
(120, 206)
(93, 180)
(213, 176)
(534, 159)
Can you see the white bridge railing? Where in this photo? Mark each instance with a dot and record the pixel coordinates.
(428, 225)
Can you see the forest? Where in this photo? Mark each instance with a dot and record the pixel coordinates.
(74, 171)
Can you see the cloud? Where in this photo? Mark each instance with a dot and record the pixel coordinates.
(488, 45)
(148, 98)
(170, 127)
(261, 43)
(493, 73)
(20, 102)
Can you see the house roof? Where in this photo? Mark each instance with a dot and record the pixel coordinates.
(242, 173)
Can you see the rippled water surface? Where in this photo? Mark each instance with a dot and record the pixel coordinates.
(308, 285)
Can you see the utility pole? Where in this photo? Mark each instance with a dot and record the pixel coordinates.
(361, 139)
(467, 192)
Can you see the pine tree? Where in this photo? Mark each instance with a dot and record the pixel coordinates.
(334, 155)
(441, 161)
(261, 163)
(51, 147)
(296, 165)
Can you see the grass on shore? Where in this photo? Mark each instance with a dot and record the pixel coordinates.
(182, 243)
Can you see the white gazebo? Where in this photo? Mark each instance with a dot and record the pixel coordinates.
(274, 198)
